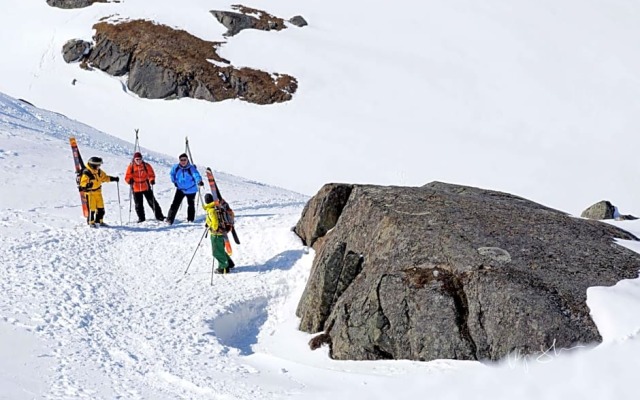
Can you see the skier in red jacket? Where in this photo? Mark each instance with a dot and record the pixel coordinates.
(141, 177)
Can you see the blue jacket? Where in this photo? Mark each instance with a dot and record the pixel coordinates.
(186, 178)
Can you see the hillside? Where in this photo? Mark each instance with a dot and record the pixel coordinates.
(109, 313)
(538, 99)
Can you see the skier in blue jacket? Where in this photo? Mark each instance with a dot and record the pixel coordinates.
(186, 179)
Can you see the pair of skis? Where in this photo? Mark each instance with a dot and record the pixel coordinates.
(221, 209)
(222, 212)
(79, 164)
(215, 192)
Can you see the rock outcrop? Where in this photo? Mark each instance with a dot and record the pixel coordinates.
(448, 271)
(605, 210)
(75, 50)
(250, 18)
(601, 210)
(164, 63)
(68, 4)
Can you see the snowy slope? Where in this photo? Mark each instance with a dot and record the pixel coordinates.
(110, 313)
(117, 318)
(536, 98)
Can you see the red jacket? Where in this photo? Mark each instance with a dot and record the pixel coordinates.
(142, 174)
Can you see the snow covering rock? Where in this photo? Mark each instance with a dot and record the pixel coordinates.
(448, 271)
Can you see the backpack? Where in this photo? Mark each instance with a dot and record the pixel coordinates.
(226, 216)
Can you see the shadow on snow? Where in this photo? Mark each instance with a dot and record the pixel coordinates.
(281, 262)
(240, 326)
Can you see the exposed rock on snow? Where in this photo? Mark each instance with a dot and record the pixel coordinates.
(73, 3)
(298, 20)
(447, 271)
(164, 63)
(75, 49)
(247, 18)
(605, 210)
(601, 210)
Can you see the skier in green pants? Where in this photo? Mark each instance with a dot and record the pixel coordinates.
(217, 241)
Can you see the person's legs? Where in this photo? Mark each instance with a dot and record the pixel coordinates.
(217, 249)
(137, 199)
(173, 209)
(191, 207)
(153, 203)
(91, 203)
(100, 207)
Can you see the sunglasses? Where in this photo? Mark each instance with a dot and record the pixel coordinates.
(184, 159)
(137, 159)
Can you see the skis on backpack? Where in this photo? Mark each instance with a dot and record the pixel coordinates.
(225, 213)
(229, 214)
(79, 165)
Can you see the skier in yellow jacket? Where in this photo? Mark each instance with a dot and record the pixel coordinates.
(225, 263)
(91, 183)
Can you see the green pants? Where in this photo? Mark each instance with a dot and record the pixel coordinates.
(217, 249)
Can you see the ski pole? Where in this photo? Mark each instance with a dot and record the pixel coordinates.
(136, 147)
(153, 196)
(130, 195)
(188, 151)
(119, 205)
(197, 247)
(213, 263)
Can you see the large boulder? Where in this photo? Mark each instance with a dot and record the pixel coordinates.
(605, 210)
(601, 210)
(448, 271)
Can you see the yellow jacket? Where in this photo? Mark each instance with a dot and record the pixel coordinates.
(212, 217)
(92, 179)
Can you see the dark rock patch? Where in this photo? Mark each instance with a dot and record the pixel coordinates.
(69, 4)
(75, 50)
(168, 63)
(251, 18)
(247, 18)
(605, 210)
(601, 210)
(299, 21)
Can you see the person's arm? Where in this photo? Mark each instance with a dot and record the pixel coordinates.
(128, 176)
(151, 175)
(172, 174)
(196, 176)
(104, 177)
(84, 181)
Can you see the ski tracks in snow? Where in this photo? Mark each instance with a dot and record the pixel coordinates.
(121, 324)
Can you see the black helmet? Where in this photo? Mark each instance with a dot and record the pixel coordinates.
(95, 161)
(208, 198)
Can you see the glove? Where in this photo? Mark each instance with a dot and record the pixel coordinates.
(175, 184)
(80, 188)
(152, 182)
(115, 179)
(200, 183)
(130, 182)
